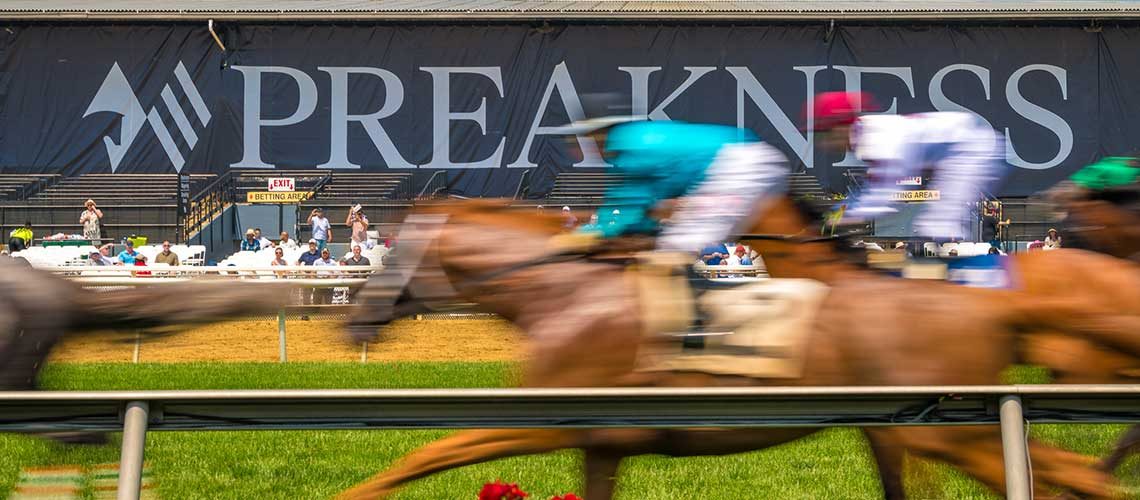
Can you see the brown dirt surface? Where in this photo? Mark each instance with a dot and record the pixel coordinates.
(315, 340)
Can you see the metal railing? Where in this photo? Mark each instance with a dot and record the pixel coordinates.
(210, 201)
(137, 412)
(523, 188)
(435, 185)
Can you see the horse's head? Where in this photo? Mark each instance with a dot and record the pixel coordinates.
(788, 235)
(445, 253)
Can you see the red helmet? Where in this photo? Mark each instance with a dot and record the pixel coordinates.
(832, 109)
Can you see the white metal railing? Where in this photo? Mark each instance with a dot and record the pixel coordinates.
(136, 412)
(311, 276)
(726, 272)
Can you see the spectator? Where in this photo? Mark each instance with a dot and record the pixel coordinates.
(90, 219)
(739, 257)
(592, 225)
(714, 255)
(166, 256)
(96, 259)
(311, 256)
(390, 240)
(128, 256)
(20, 238)
(325, 260)
(358, 224)
(279, 260)
(250, 243)
(993, 251)
(261, 240)
(140, 261)
(287, 243)
(356, 259)
(322, 230)
(105, 256)
(1035, 245)
(1052, 240)
(991, 226)
(953, 252)
(569, 221)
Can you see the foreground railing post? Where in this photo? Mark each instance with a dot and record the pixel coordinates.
(1014, 449)
(281, 336)
(134, 440)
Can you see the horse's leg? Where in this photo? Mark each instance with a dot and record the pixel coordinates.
(464, 448)
(977, 451)
(601, 472)
(889, 461)
(1127, 445)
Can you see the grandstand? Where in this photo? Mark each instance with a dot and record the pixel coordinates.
(142, 204)
(589, 188)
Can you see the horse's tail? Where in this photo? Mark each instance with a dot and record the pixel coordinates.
(177, 304)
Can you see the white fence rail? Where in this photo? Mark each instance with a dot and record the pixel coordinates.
(137, 412)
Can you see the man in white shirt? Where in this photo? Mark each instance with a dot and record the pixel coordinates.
(287, 243)
(322, 229)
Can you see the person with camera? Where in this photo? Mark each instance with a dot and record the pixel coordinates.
(322, 229)
(358, 222)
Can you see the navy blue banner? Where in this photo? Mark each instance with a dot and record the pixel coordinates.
(486, 102)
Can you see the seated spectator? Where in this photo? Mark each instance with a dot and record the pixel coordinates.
(285, 242)
(993, 251)
(105, 255)
(250, 243)
(1052, 240)
(166, 256)
(355, 259)
(390, 240)
(128, 256)
(591, 226)
(261, 240)
(140, 261)
(569, 221)
(739, 257)
(307, 258)
(714, 255)
(1036, 245)
(953, 252)
(279, 260)
(96, 259)
(20, 238)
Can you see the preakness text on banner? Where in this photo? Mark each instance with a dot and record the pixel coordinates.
(486, 102)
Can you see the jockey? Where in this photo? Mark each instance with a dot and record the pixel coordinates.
(963, 150)
(717, 172)
(1110, 172)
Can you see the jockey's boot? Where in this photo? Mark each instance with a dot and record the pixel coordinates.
(668, 304)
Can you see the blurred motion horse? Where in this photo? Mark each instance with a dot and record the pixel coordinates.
(585, 325)
(38, 309)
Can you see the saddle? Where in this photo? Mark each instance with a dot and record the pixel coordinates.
(756, 329)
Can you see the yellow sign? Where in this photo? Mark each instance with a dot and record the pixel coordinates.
(276, 196)
(918, 195)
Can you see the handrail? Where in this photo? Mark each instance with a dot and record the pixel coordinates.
(137, 412)
(524, 184)
(430, 182)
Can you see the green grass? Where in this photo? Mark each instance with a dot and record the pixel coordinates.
(288, 464)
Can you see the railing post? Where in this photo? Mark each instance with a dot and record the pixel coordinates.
(1015, 451)
(134, 441)
(281, 336)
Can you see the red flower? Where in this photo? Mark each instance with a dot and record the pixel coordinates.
(568, 496)
(499, 490)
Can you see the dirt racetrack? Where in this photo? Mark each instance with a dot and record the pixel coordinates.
(315, 340)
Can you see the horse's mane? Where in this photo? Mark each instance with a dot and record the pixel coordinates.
(1126, 197)
(817, 210)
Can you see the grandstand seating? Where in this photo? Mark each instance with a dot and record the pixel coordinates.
(37, 256)
(21, 186)
(363, 187)
(590, 187)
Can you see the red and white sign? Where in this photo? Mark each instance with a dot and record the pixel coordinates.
(282, 184)
(909, 181)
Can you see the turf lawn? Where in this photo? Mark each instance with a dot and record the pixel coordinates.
(293, 464)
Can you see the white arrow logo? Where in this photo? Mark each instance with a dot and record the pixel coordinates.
(117, 96)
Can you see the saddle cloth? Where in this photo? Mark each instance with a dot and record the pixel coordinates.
(758, 330)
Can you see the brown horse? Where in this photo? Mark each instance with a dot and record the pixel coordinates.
(37, 309)
(582, 317)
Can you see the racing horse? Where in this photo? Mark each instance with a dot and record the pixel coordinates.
(585, 329)
(37, 309)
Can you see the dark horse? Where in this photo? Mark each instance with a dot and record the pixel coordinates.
(38, 309)
(586, 329)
